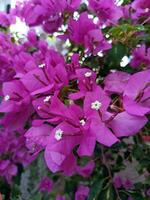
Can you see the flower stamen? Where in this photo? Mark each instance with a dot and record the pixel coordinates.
(96, 105)
(58, 134)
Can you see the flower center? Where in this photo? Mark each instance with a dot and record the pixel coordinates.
(58, 134)
(39, 107)
(42, 65)
(96, 105)
(146, 10)
(88, 74)
(6, 98)
(47, 99)
(82, 122)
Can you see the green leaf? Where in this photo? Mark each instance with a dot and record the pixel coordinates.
(38, 196)
(137, 152)
(137, 196)
(147, 181)
(115, 55)
(145, 162)
(111, 193)
(15, 192)
(96, 189)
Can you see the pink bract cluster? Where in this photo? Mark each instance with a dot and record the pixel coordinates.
(54, 105)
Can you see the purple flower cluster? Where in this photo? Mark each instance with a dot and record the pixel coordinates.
(119, 182)
(48, 13)
(52, 14)
(6, 19)
(107, 12)
(12, 152)
(141, 9)
(141, 57)
(43, 95)
(46, 184)
(90, 36)
(54, 105)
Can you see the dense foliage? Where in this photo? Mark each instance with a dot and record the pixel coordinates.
(75, 101)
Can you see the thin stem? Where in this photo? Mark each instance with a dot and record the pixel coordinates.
(109, 171)
(145, 21)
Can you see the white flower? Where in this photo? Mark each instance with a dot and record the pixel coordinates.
(96, 105)
(103, 26)
(119, 2)
(146, 10)
(82, 122)
(110, 41)
(63, 28)
(47, 99)
(107, 35)
(85, 1)
(58, 134)
(42, 65)
(71, 102)
(88, 74)
(7, 97)
(39, 107)
(100, 54)
(67, 43)
(76, 15)
(95, 20)
(125, 61)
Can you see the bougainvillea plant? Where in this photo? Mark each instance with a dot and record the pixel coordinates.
(75, 101)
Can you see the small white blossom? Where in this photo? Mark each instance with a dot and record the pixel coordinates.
(94, 69)
(68, 43)
(100, 54)
(42, 65)
(88, 74)
(63, 28)
(85, 1)
(119, 2)
(95, 20)
(58, 134)
(7, 97)
(83, 59)
(90, 16)
(146, 10)
(47, 99)
(39, 107)
(125, 61)
(96, 105)
(107, 35)
(76, 15)
(71, 102)
(110, 41)
(82, 122)
(113, 70)
(103, 26)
